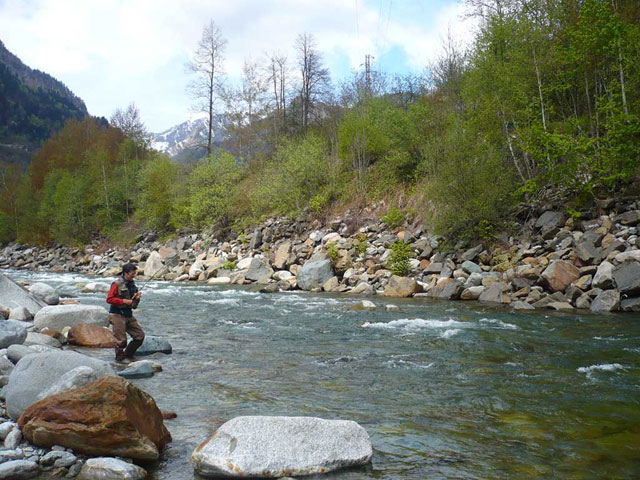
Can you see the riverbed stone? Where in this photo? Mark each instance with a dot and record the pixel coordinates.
(314, 274)
(142, 370)
(495, 294)
(45, 292)
(630, 305)
(19, 470)
(108, 468)
(559, 275)
(471, 267)
(59, 458)
(627, 278)
(606, 301)
(35, 338)
(630, 218)
(13, 439)
(96, 287)
(110, 416)
(36, 373)
(472, 293)
(94, 336)
(11, 333)
(521, 305)
(604, 276)
(20, 314)
(13, 295)
(631, 255)
(273, 447)
(362, 288)
(74, 378)
(56, 317)
(152, 344)
(282, 255)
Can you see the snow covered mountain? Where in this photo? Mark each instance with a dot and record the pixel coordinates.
(187, 141)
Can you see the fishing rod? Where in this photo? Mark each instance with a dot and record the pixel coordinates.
(148, 280)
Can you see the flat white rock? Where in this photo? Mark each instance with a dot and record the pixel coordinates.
(274, 447)
(107, 468)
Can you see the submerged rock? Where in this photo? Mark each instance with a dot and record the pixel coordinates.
(107, 417)
(274, 447)
(153, 344)
(606, 301)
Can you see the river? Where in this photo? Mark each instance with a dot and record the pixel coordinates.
(445, 389)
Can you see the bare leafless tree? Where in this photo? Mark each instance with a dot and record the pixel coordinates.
(277, 72)
(207, 64)
(128, 120)
(315, 78)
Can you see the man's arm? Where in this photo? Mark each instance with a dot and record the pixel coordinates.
(113, 299)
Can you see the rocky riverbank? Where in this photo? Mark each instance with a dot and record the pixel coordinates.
(559, 262)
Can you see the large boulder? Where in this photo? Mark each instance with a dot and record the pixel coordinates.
(45, 292)
(11, 333)
(75, 378)
(274, 447)
(13, 295)
(56, 317)
(282, 255)
(559, 275)
(107, 468)
(87, 335)
(259, 270)
(494, 294)
(107, 417)
(606, 301)
(37, 372)
(154, 265)
(314, 274)
(401, 287)
(604, 276)
(550, 220)
(627, 278)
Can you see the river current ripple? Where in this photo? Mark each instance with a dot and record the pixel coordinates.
(445, 390)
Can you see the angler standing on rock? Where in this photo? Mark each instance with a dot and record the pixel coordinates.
(123, 297)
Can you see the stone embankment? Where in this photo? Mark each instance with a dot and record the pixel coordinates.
(560, 263)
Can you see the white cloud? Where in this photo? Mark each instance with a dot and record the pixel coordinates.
(111, 52)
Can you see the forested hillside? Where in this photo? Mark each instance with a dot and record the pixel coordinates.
(546, 102)
(33, 105)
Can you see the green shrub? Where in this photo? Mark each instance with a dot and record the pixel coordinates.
(399, 259)
(394, 217)
(360, 243)
(229, 265)
(332, 251)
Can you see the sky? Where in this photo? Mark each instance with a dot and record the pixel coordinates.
(114, 52)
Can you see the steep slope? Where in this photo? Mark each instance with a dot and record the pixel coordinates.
(33, 105)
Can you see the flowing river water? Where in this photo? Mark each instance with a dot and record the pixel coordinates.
(445, 389)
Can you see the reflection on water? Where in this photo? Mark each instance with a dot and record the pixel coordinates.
(445, 390)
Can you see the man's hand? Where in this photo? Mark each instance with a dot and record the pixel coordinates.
(137, 295)
(126, 301)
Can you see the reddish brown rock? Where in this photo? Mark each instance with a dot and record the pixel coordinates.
(169, 415)
(87, 335)
(559, 275)
(109, 417)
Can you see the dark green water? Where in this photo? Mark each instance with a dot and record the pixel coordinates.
(445, 390)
